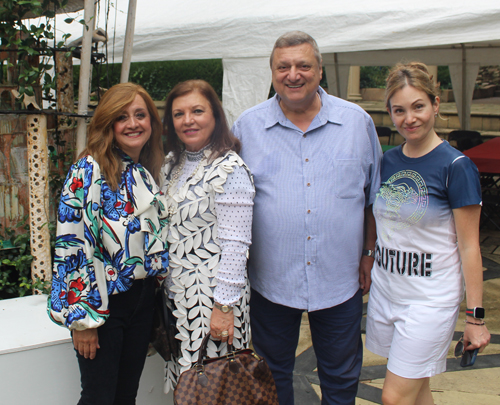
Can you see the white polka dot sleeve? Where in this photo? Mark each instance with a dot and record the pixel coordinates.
(234, 210)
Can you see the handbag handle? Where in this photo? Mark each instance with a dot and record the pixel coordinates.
(200, 368)
(230, 356)
(203, 351)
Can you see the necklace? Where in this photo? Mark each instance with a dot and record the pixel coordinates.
(196, 156)
(192, 157)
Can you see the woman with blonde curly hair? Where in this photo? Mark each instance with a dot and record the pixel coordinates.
(111, 244)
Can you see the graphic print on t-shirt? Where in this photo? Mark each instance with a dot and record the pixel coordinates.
(406, 200)
(402, 202)
(416, 254)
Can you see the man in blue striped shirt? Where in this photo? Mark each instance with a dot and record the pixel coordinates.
(315, 160)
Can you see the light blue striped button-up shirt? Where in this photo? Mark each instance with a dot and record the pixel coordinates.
(311, 191)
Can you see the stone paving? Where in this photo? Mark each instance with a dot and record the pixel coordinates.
(476, 385)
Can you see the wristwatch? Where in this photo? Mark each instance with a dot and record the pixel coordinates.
(369, 253)
(476, 312)
(223, 308)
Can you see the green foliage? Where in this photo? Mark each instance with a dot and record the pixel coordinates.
(33, 46)
(30, 41)
(444, 77)
(158, 78)
(373, 77)
(15, 264)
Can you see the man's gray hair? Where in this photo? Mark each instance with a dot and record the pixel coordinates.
(294, 38)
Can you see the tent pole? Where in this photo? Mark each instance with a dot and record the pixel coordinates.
(129, 41)
(463, 124)
(337, 79)
(84, 85)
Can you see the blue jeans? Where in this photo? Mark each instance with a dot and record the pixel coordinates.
(336, 338)
(112, 377)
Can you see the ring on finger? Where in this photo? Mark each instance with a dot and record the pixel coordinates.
(225, 333)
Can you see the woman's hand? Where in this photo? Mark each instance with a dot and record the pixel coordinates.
(86, 342)
(467, 226)
(221, 322)
(475, 336)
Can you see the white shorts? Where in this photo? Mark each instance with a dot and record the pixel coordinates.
(415, 338)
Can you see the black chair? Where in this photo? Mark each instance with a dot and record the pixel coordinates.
(464, 139)
(490, 212)
(384, 132)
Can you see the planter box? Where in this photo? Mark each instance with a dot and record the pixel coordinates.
(373, 94)
(484, 93)
(447, 96)
(38, 363)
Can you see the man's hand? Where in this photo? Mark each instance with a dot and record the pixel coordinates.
(366, 262)
(365, 273)
(86, 342)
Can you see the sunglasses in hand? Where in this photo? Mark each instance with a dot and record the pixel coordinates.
(468, 356)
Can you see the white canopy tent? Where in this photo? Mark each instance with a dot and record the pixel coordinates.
(457, 33)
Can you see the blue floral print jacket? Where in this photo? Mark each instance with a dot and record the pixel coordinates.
(106, 239)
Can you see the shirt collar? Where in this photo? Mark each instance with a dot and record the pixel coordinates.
(125, 158)
(327, 113)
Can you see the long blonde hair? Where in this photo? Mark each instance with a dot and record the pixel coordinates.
(100, 139)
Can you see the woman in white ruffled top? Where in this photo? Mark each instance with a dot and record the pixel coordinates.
(210, 194)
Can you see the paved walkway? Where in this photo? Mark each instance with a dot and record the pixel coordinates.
(476, 385)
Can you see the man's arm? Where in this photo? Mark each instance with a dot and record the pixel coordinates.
(366, 263)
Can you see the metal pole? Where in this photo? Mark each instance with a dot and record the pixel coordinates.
(463, 123)
(84, 86)
(337, 77)
(129, 41)
(38, 160)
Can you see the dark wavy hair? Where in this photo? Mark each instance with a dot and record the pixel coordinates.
(101, 137)
(222, 139)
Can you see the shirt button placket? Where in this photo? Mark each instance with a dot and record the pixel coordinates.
(309, 200)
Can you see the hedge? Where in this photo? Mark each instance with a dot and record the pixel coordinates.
(158, 78)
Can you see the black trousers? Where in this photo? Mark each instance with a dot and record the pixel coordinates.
(112, 377)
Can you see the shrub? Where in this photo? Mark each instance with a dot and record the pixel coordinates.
(15, 264)
(158, 78)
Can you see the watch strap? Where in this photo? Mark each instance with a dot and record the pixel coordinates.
(223, 308)
(369, 253)
(476, 312)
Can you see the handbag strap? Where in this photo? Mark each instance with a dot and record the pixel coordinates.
(203, 350)
(200, 368)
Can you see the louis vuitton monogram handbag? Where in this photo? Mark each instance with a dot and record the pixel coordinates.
(240, 377)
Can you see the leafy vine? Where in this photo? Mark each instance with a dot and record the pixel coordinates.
(26, 53)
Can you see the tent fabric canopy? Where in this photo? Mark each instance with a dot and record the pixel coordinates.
(238, 31)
